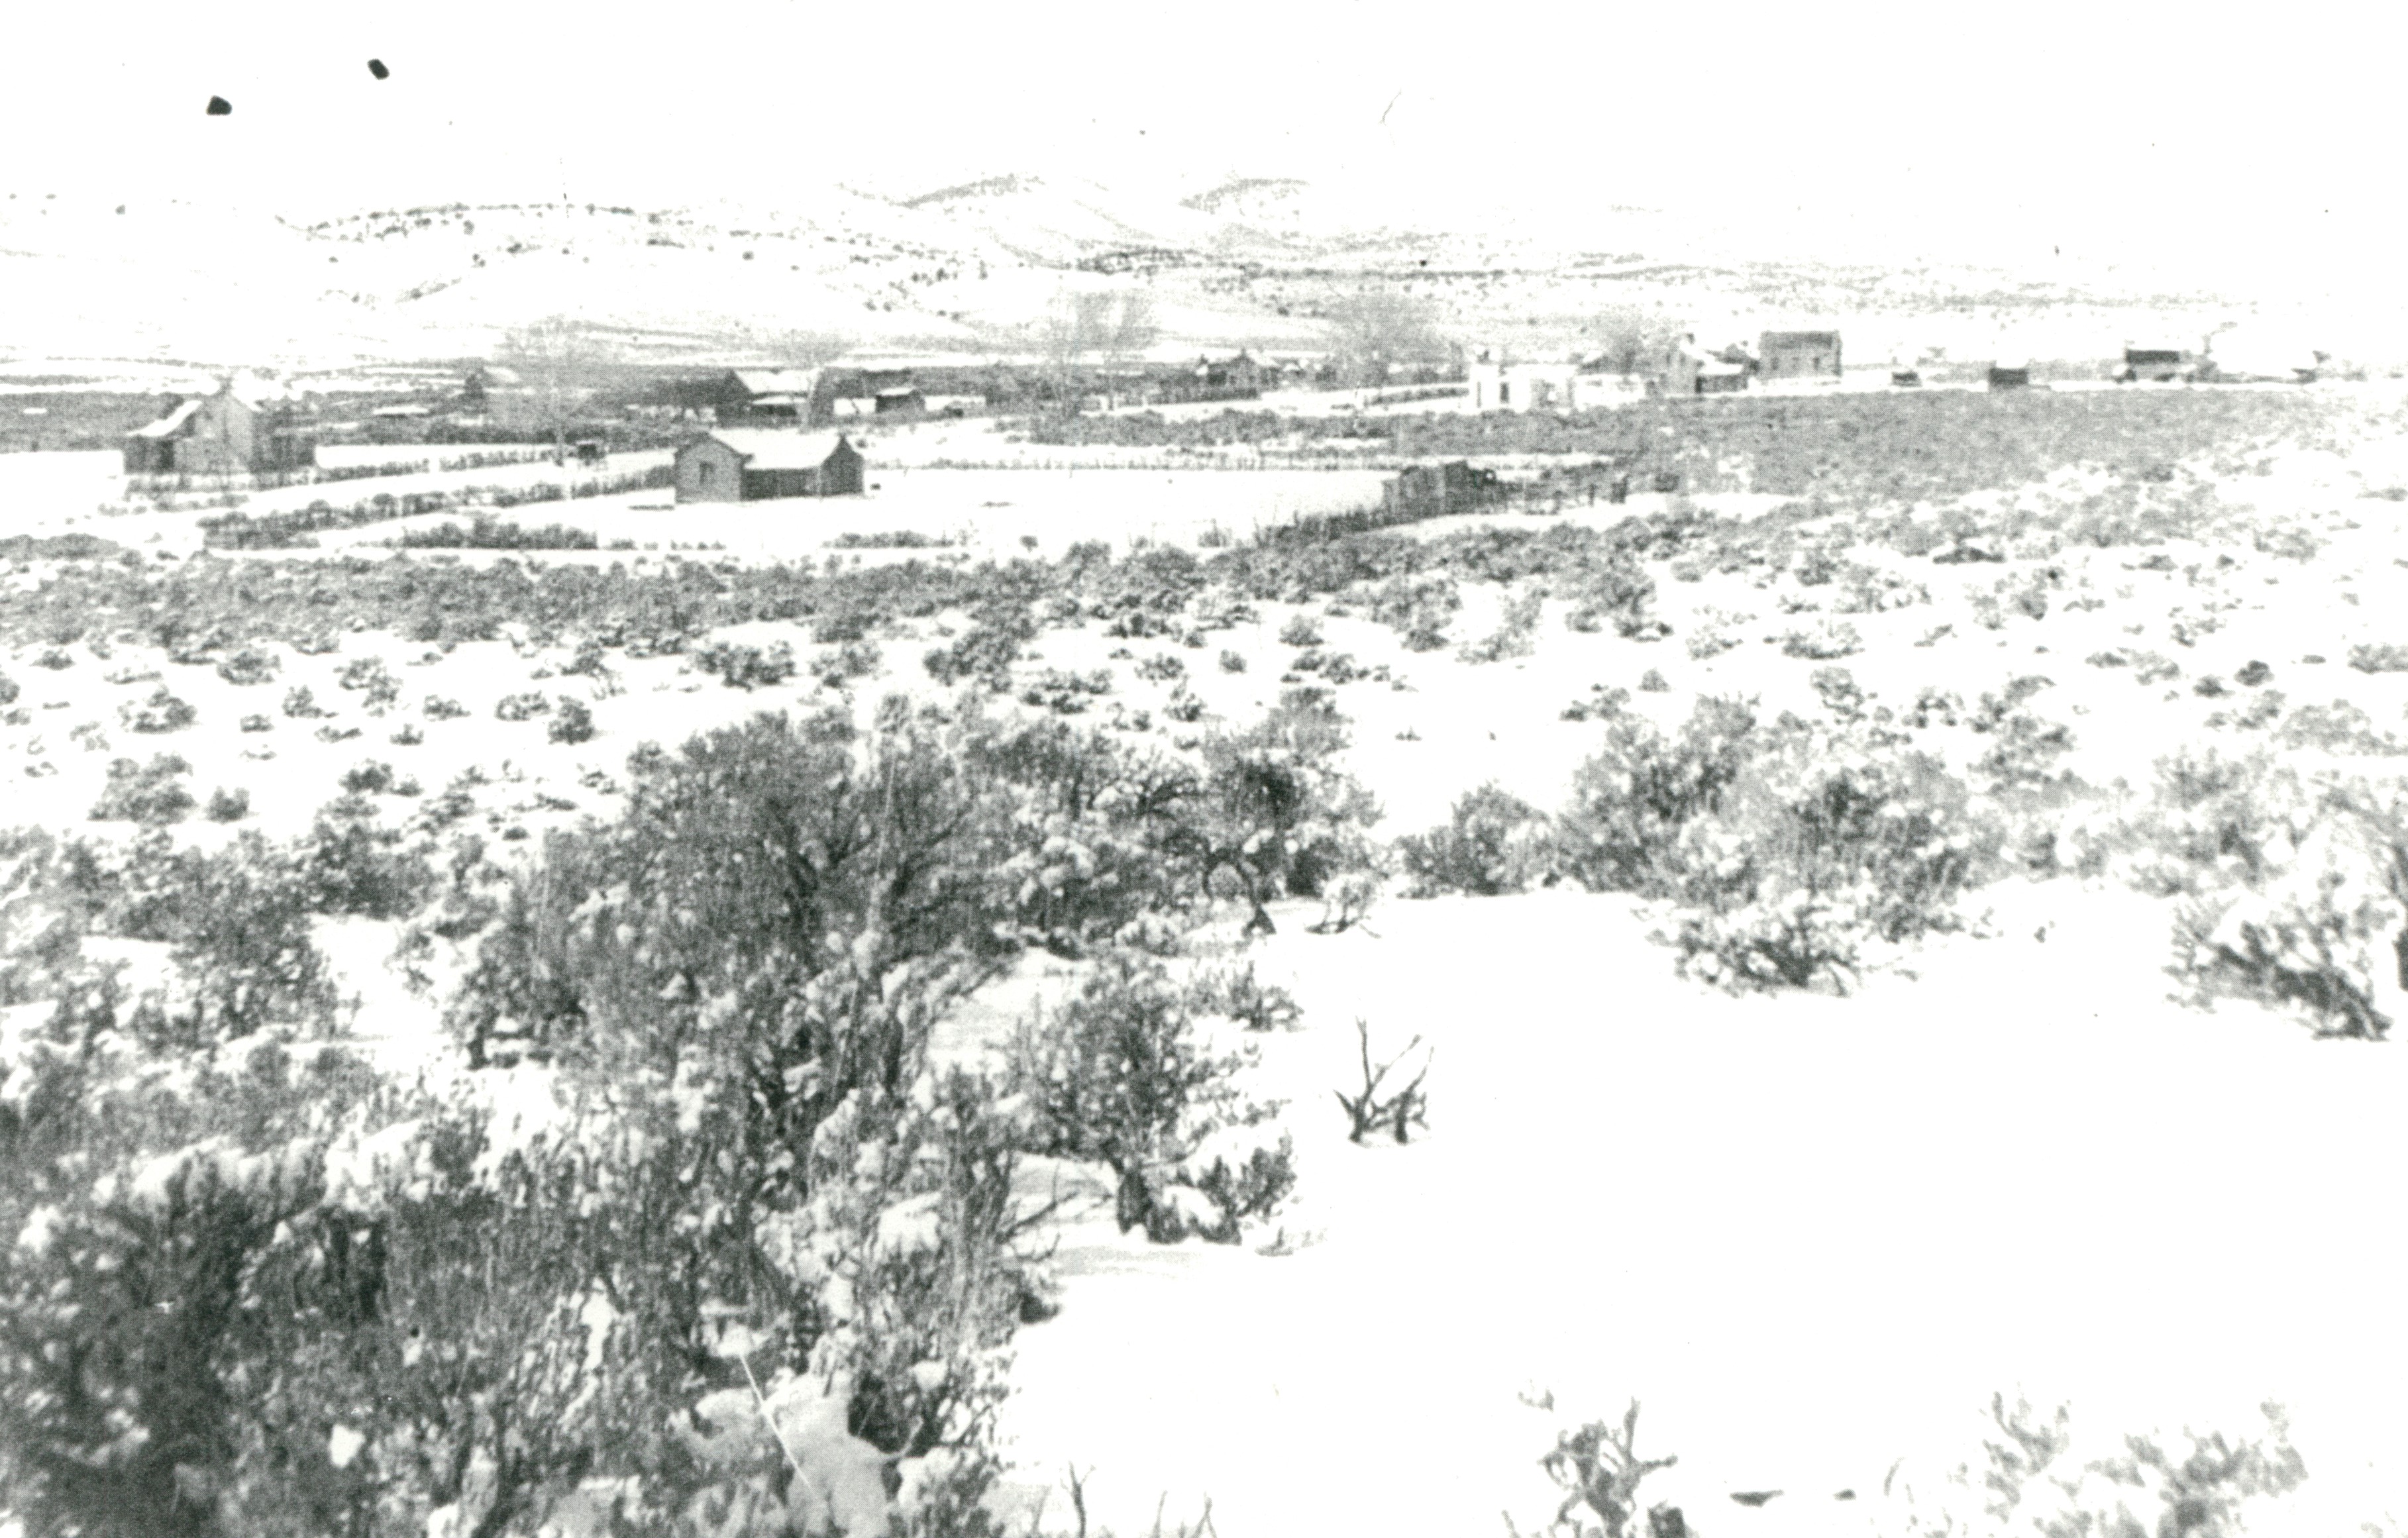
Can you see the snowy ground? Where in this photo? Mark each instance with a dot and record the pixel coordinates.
(1811, 1235)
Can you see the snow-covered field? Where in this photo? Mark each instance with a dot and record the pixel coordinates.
(1811, 1235)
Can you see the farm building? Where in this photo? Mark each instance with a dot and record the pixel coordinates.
(1798, 355)
(224, 433)
(1228, 377)
(754, 465)
(2014, 376)
(1687, 369)
(1429, 489)
(800, 395)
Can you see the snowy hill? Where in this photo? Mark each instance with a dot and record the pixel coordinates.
(967, 268)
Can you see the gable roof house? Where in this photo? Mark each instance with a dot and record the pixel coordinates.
(229, 433)
(1798, 355)
(756, 464)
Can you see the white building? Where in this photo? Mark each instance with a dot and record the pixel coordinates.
(1498, 385)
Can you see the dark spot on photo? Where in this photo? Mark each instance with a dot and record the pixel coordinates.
(376, 67)
(221, 108)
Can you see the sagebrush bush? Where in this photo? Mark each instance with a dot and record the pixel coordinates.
(2289, 893)
(1492, 842)
(301, 704)
(162, 712)
(1245, 998)
(2386, 657)
(152, 793)
(985, 650)
(1631, 799)
(522, 707)
(1817, 847)
(352, 864)
(1120, 1073)
(1615, 591)
(1274, 816)
(249, 666)
(572, 721)
(747, 667)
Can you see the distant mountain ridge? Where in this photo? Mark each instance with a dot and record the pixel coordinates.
(965, 267)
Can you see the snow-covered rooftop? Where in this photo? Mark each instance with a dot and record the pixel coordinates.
(765, 448)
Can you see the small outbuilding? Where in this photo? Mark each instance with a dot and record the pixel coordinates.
(2011, 375)
(756, 464)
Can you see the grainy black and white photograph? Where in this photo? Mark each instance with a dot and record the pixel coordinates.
(1244, 770)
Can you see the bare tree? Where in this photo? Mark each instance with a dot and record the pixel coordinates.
(559, 360)
(799, 348)
(1128, 331)
(1378, 331)
(1114, 326)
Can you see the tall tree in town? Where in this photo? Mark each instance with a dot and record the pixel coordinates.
(559, 361)
(1074, 322)
(1111, 326)
(1628, 336)
(1376, 333)
(1128, 331)
(799, 348)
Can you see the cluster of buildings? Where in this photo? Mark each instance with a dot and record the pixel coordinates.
(1493, 383)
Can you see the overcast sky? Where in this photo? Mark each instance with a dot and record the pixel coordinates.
(2268, 138)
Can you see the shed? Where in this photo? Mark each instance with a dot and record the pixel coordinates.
(754, 465)
(2010, 376)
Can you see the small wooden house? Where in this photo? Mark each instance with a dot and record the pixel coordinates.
(1798, 355)
(224, 433)
(756, 464)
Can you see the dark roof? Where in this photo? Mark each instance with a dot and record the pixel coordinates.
(1801, 338)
